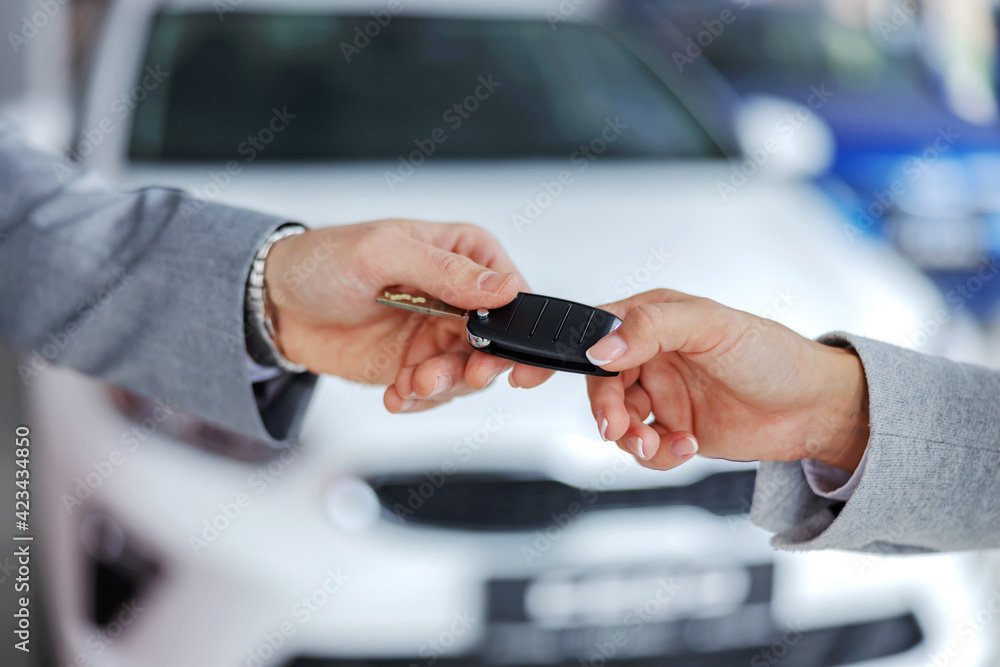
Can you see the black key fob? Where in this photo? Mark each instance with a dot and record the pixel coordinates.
(542, 331)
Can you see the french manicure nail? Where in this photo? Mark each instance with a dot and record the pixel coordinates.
(607, 350)
(441, 384)
(635, 446)
(602, 426)
(685, 447)
(407, 406)
(493, 282)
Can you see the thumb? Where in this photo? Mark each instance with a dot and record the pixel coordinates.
(453, 278)
(689, 326)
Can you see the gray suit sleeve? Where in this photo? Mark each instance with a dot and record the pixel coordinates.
(932, 479)
(143, 290)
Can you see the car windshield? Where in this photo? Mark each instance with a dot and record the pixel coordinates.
(799, 47)
(491, 89)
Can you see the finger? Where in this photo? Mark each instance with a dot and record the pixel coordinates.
(675, 448)
(466, 239)
(607, 403)
(637, 402)
(621, 308)
(450, 276)
(438, 376)
(689, 326)
(396, 405)
(483, 368)
(403, 384)
(673, 398)
(641, 440)
(528, 377)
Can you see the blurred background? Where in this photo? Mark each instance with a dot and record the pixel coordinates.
(829, 165)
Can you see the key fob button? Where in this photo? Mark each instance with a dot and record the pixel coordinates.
(574, 327)
(498, 319)
(526, 317)
(551, 320)
(544, 331)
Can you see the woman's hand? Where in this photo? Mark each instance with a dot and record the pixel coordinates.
(323, 285)
(723, 383)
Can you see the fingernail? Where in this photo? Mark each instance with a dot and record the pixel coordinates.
(441, 384)
(607, 350)
(685, 447)
(634, 445)
(602, 426)
(512, 382)
(492, 282)
(407, 406)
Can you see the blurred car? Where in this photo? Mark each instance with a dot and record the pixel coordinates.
(919, 175)
(498, 529)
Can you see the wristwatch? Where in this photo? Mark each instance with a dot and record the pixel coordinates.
(260, 326)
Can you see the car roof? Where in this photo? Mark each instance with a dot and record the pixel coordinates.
(567, 10)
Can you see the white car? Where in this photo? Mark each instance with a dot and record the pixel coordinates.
(498, 529)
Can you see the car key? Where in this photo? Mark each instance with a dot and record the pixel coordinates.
(532, 329)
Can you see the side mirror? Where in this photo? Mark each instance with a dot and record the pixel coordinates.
(785, 139)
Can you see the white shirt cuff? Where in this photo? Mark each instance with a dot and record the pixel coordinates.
(833, 483)
(260, 373)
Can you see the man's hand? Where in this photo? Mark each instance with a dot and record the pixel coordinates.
(722, 382)
(323, 285)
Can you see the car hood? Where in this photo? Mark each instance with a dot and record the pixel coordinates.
(779, 249)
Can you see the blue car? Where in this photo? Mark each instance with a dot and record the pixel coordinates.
(908, 169)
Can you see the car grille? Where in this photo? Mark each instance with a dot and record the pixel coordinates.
(517, 502)
(825, 647)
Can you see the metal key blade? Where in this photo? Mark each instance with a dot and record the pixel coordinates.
(422, 304)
